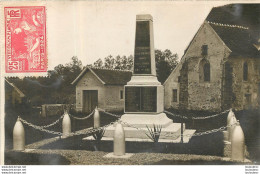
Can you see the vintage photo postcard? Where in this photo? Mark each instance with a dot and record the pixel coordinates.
(130, 83)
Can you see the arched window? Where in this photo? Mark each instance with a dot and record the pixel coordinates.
(204, 72)
(206, 69)
(245, 71)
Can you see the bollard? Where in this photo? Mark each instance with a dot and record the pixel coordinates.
(119, 140)
(238, 144)
(230, 115)
(96, 118)
(232, 122)
(226, 133)
(18, 136)
(66, 125)
(225, 137)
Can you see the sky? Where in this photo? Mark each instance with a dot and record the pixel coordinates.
(95, 29)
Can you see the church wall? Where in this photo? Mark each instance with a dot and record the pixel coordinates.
(246, 92)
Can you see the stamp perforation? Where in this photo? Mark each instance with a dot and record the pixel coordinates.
(31, 35)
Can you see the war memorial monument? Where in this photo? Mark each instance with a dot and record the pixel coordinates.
(144, 94)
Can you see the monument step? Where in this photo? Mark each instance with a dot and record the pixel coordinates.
(186, 139)
(146, 119)
(173, 131)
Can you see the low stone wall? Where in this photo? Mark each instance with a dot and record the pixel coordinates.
(49, 110)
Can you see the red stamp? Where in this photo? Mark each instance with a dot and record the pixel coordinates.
(25, 39)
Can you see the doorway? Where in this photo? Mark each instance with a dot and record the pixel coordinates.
(90, 100)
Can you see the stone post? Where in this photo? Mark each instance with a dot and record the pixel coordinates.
(227, 133)
(96, 118)
(231, 128)
(66, 125)
(119, 140)
(43, 112)
(181, 129)
(238, 144)
(18, 136)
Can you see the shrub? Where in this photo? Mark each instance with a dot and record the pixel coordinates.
(154, 133)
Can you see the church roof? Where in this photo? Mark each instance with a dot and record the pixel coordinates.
(238, 26)
(107, 76)
(237, 39)
(237, 14)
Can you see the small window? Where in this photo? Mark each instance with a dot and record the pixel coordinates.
(179, 79)
(245, 71)
(174, 95)
(206, 69)
(121, 94)
(204, 50)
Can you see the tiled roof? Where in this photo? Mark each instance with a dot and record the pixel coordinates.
(238, 40)
(237, 14)
(107, 76)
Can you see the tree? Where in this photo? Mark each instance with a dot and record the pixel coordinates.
(56, 88)
(109, 62)
(165, 60)
(130, 62)
(118, 62)
(98, 63)
(165, 63)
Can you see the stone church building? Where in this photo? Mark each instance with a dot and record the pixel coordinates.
(220, 67)
(103, 88)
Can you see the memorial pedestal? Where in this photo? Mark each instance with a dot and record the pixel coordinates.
(171, 132)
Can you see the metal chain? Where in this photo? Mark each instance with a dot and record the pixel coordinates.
(211, 116)
(91, 130)
(49, 125)
(80, 132)
(197, 118)
(39, 127)
(55, 122)
(113, 115)
(169, 134)
(188, 135)
(129, 125)
(82, 118)
(175, 115)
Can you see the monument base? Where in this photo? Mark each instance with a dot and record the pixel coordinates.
(173, 131)
(135, 126)
(186, 139)
(142, 120)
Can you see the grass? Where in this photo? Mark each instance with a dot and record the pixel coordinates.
(206, 145)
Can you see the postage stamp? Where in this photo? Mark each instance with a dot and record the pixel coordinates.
(25, 39)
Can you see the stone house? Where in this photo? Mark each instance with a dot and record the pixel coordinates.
(100, 87)
(220, 67)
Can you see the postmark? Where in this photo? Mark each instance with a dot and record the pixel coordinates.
(25, 39)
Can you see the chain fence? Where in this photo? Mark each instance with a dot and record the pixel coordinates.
(40, 128)
(49, 125)
(93, 130)
(82, 118)
(197, 118)
(206, 132)
(79, 132)
(54, 123)
(108, 113)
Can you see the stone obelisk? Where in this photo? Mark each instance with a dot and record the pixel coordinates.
(144, 94)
